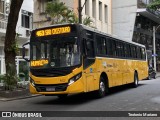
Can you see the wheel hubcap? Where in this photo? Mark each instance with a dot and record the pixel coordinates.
(102, 87)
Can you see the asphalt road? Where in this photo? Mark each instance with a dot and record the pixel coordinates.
(146, 97)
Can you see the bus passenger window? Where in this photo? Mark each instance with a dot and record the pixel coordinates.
(143, 53)
(90, 49)
(139, 56)
(133, 50)
(109, 46)
(114, 52)
(127, 50)
(101, 45)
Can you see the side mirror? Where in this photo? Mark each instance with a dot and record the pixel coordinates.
(24, 51)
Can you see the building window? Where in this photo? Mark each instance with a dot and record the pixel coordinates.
(87, 7)
(43, 4)
(100, 10)
(1, 50)
(20, 52)
(106, 13)
(26, 19)
(94, 8)
(1, 6)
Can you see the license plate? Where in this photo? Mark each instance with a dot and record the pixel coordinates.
(50, 89)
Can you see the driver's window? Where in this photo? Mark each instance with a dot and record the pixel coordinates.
(42, 50)
(34, 52)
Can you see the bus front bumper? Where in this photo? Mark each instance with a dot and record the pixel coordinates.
(76, 87)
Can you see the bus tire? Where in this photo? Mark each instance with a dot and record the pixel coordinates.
(136, 81)
(101, 92)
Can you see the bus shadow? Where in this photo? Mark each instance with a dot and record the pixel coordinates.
(82, 98)
(69, 100)
(119, 89)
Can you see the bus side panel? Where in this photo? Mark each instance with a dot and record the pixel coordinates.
(142, 69)
(91, 78)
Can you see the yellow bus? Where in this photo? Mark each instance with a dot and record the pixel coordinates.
(72, 58)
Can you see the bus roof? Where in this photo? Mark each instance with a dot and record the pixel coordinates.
(109, 35)
(90, 29)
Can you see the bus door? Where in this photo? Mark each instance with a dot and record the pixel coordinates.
(88, 64)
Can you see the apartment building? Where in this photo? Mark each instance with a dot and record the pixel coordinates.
(41, 19)
(100, 13)
(98, 10)
(147, 31)
(24, 26)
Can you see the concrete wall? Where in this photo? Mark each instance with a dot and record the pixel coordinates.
(27, 6)
(101, 25)
(123, 18)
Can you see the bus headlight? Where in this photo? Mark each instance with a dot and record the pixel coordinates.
(32, 81)
(74, 78)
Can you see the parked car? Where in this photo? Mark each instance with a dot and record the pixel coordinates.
(151, 73)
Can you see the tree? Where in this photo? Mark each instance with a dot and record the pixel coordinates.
(87, 21)
(60, 13)
(56, 9)
(155, 5)
(10, 39)
(69, 17)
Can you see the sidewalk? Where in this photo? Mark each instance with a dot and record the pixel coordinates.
(16, 98)
(21, 93)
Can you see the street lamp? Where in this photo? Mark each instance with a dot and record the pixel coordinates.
(154, 46)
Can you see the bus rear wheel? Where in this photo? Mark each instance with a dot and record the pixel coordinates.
(136, 81)
(101, 92)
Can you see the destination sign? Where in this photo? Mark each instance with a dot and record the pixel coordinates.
(37, 63)
(53, 31)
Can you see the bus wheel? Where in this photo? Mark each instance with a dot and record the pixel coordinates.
(101, 92)
(136, 81)
(63, 96)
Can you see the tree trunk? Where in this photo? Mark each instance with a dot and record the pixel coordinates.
(10, 42)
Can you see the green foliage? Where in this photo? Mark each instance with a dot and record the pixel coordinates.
(154, 5)
(60, 13)
(24, 70)
(10, 79)
(1, 77)
(69, 17)
(21, 74)
(87, 21)
(14, 46)
(56, 9)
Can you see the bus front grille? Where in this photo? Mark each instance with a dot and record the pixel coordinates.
(51, 88)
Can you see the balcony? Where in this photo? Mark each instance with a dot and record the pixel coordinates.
(3, 21)
(3, 24)
(151, 14)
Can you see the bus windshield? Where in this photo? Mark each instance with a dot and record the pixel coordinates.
(59, 52)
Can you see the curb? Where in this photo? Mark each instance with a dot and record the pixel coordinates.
(17, 98)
